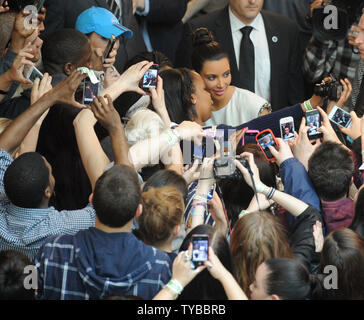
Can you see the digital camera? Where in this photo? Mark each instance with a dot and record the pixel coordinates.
(330, 89)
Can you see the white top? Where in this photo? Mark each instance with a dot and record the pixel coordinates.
(243, 106)
(261, 50)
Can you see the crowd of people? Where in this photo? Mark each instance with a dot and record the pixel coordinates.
(130, 130)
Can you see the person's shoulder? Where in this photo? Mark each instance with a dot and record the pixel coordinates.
(280, 22)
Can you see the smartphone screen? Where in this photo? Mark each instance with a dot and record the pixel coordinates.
(200, 250)
(340, 117)
(266, 140)
(34, 73)
(249, 137)
(198, 152)
(90, 92)
(313, 121)
(150, 78)
(287, 128)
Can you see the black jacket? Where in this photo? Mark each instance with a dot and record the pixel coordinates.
(286, 81)
(64, 13)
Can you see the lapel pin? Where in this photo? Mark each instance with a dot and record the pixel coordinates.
(274, 39)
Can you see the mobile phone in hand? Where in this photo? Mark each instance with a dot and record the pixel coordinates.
(249, 133)
(313, 121)
(287, 128)
(340, 117)
(33, 73)
(150, 78)
(109, 48)
(265, 139)
(200, 250)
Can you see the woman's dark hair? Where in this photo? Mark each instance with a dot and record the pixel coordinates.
(178, 89)
(164, 178)
(61, 47)
(237, 194)
(204, 286)
(344, 250)
(288, 279)
(57, 143)
(358, 223)
(12, 276)
(155, 56)
(205, 48)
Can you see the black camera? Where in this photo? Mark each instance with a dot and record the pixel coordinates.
(224, 166)
(330, 89)
(333, 20)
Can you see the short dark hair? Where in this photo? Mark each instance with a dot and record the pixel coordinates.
(205, 48)
(12, 264)
(155, 56)
(26, 179)
(117, 195)
(61, 47)
(330, 169)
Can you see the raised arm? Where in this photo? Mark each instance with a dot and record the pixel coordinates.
(64, 93)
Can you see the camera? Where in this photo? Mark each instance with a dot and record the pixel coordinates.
(328, 88)
(224, 166)
(343, 12)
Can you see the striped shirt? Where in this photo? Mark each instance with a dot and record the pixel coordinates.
(25, 229)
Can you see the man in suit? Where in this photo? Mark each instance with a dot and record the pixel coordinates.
(160, 22)
(270, 63)
(64, 13)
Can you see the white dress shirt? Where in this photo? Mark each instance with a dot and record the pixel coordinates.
(261, 50)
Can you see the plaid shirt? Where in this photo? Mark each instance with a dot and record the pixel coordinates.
(90, 265)
(323, 58)
(25, 229)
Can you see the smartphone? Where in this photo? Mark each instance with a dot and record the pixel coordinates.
(340, 117)
(313, 120)
(33, 73)
(109, 48)
(249, 133)
(150, 78)
(198, 152)
(265, 139)
(287, 128)
(90, 91)
(200, 250)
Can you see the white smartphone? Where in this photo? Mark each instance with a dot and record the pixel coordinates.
(340, 117)
(287, 128)
(33, 73)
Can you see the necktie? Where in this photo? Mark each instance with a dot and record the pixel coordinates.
(114, 8)
(246, 63)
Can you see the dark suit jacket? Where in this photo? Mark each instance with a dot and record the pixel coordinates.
(286, 81)
(165, 25)
(64, 13)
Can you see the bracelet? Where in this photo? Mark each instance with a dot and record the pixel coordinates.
(243, 213)
(175, 286)
(271, 193)
(171, 138)
(308, 105)
(199, 204)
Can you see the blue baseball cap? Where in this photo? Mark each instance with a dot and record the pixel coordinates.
(101, 21)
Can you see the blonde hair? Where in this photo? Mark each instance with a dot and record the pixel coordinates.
(144, 124)
(163, 210)
(4, 123)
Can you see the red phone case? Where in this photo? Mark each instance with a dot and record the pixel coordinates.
(274, 138)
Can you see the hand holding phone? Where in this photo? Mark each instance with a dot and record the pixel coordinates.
(340, 117)
(265, 139)
(249, 134)
(313, 121)
(109, 48)
(200, 250)
(150, 78)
